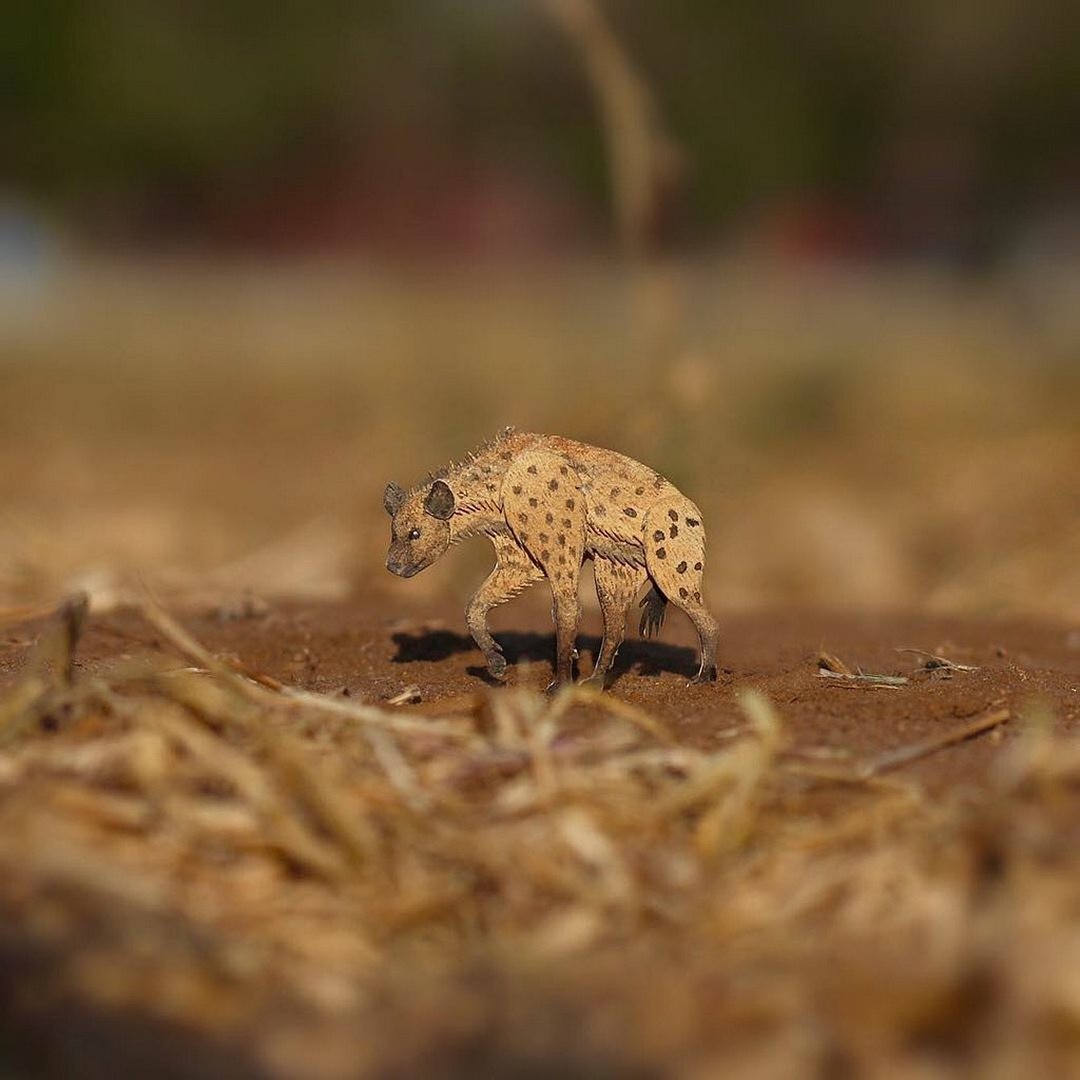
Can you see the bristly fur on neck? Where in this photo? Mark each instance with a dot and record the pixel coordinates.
(453, 468)
(476, 482)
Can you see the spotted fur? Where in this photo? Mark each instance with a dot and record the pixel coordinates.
(548, 504)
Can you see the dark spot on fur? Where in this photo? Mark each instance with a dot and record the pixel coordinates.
(630, 512)
(683, 594)
(570, 504)
(544, 538)
(562, 469)
(658, 535)
(562, 560)
(491, 487)
(681, 567)
(661, 553)
(533, 503)
(697, 566)
(674, 530)
(506, 455)
(697, 597)
(549, 517)
(639, 491)
(692, 522)
(523, 516)
(545, 555)
(531, 469)
(566, 523)
(673, 515)
(614, 493)
(601, 510)
(517, 489)
(658, 483)
(561, 540)
(553, 485)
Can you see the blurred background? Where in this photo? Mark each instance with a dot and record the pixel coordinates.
(820, 264)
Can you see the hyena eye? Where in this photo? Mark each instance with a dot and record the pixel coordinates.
(414, 534)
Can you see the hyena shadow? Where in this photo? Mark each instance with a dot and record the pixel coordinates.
(638, 656)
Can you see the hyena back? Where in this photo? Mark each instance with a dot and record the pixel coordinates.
(548, 504)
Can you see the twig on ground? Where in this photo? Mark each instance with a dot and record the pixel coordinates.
(832, 667)
(936, 664)
(860, 678)
(904, 755)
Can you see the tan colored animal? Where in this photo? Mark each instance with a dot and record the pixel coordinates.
(548, 504)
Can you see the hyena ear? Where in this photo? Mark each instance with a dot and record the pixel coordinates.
(440, 501)
(392, 498)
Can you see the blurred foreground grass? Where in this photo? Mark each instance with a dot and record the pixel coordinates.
(218, 875)
(894, 438)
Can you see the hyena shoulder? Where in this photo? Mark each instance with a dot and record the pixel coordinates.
(542, 498)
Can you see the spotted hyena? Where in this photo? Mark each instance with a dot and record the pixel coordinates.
(548, 504)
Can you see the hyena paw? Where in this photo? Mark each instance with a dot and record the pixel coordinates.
(496, 663)
(705, 675)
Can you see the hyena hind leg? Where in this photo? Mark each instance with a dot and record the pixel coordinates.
(708, 636)
(675, 556)
(616, 587)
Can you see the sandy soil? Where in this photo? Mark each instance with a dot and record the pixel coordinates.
(356, 649)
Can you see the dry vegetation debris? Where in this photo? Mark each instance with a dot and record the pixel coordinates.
(285, 883)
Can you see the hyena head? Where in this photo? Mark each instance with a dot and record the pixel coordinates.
(419, 526)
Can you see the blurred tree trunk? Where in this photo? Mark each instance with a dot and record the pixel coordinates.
(646, 164)
(647, 173)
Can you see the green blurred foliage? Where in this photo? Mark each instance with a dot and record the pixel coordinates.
(133, 99)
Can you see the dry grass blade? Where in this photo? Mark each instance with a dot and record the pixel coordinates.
(367, 715)
(46, 685)
(397, 768)
(729, 820)
(904, 755)
(860, 678)
(829, 662)
(23, 613)
(614, 706)
(173, 632)
(341, 817)
(251, 783)
(409, 696)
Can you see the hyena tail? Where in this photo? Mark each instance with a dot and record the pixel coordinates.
(652, 617)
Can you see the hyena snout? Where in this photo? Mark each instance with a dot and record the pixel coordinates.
(399, 561)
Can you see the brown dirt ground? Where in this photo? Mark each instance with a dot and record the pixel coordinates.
(353, 648)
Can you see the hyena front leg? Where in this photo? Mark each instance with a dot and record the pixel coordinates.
(545, 508)
(514, 571)
(616, 586)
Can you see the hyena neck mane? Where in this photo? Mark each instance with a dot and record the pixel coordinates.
(476, 482)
